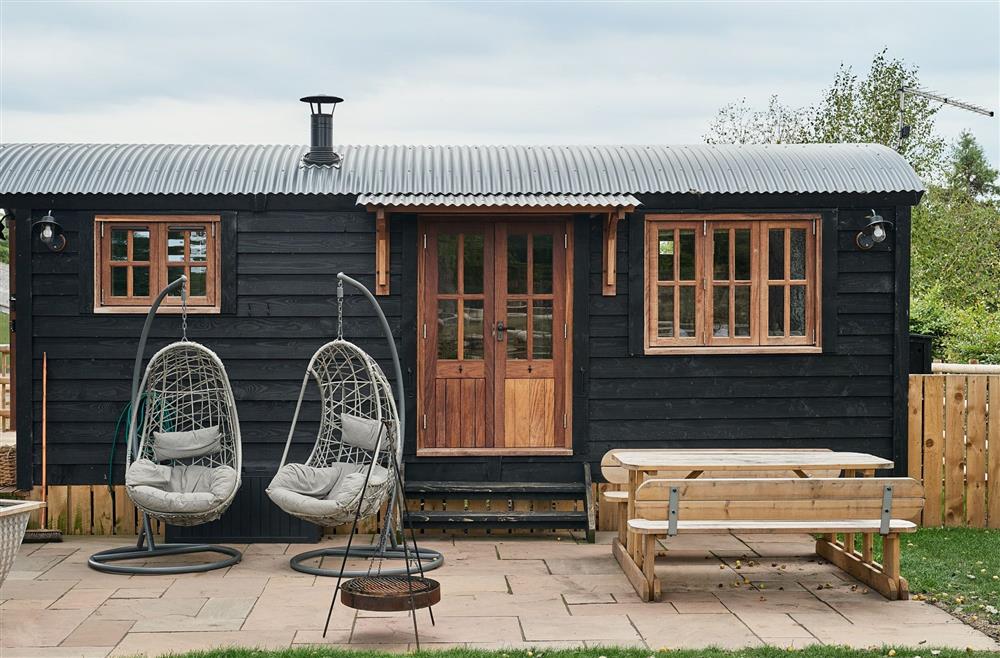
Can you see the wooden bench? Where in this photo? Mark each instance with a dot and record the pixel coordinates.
(826, 506)
(617, 499)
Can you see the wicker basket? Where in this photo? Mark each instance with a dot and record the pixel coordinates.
(8, 466)
(13, 520)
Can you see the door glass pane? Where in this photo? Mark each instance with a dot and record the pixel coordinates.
(472, 319)
(447, 318)
(742, 254)
(541, 329)
(447, 246)
(174, 273)
(517, 329)
(720, 255)
(797, 311)
(720, 311)
(687, 324)
(517, 263)
(542, 263)
(199, 281)
(472, 262)
(665, 256)
(175, 246)
(687, 255)
(776, 253)
(140, 245)
(140, 281)
(119, 281)
(797, 254)
(741, 309)
(119, 244)
(776, 311)
(199, 245)
(665, 312)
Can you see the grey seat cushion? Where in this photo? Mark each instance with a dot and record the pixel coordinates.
(322, 492)
(183, 445)
(179, 489)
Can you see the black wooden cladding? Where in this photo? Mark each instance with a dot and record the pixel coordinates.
(279, 295)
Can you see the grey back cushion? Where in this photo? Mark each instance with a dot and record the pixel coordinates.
(184, 445)
(361, 432)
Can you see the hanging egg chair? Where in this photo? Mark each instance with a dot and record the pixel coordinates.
(354, 466)
(183, 450)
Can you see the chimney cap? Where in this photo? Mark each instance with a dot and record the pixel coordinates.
(319, 100)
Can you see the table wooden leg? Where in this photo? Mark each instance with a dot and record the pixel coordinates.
(849, 545)
(631, 541)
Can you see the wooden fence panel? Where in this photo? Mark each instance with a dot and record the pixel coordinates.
(954, 447)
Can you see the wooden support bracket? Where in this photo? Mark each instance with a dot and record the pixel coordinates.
(381, 252)
(610, 273)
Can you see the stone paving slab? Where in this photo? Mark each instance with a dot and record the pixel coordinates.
(498, 592)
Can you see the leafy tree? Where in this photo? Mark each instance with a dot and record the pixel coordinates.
(970, 173)
(852, 109)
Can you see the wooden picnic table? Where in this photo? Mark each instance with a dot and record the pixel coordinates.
(691, 463)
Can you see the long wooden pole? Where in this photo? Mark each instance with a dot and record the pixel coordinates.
(45, 461)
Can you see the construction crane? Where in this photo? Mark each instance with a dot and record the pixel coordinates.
(904, 91)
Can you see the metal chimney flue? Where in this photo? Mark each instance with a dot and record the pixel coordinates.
(321, 130)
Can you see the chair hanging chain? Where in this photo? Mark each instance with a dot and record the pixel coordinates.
(340, 310)
(184, 312)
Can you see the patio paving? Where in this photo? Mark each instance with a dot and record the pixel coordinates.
(501, 591)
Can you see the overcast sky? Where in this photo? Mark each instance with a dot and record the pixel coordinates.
(462, 73)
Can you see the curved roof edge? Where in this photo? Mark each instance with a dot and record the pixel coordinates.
(161, 169)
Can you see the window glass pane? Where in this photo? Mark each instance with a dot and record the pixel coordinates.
(199, 282)
(517, 329)
(447, 329)
(665, 312)
(119, 281)
(741, 309)
(776, 253)
(541, 329)
(797, 254)
(687, 255)
(140, 281)
(199, 244)
(447, 245)
(140, 245)
(517, 263)
(797, 311)
(119, 244)
(776, 311)
(472, 262)
(687, 324)
(174, 273)
(742, 254)
(665, 256)
(472, 319)
(175, 246)
(541, 245)
(720, 311)
(720, 255)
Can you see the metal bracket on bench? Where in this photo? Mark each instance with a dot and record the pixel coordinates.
(675, 496)
(886, 510)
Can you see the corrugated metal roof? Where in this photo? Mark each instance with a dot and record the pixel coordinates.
(270, 169)
(500, 200)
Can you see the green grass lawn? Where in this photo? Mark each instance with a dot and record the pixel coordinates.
(764, 652)
(958, 568)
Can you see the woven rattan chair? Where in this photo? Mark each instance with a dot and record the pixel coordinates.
(184, 450)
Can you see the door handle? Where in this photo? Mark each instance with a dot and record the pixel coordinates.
(500, 329)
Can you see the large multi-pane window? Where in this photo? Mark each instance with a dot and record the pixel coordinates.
(137, 256)
(725, 282)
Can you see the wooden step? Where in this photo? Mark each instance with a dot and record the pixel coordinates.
(540, 520)
(565, 490)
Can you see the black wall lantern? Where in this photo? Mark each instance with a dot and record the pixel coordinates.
(51, 234)
(873, 232)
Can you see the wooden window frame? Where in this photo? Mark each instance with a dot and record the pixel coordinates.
(705, 342)
(158, 227)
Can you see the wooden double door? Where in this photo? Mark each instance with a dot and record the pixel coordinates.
(494, 337)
